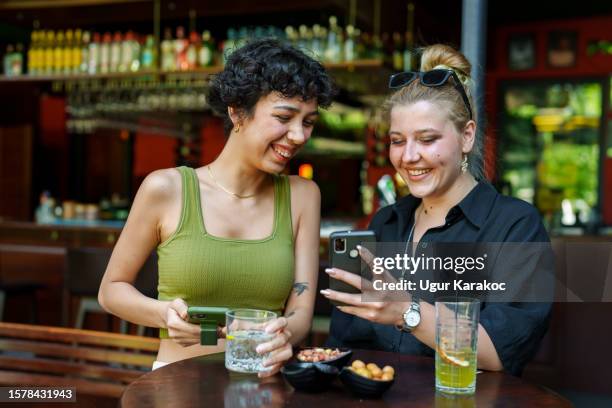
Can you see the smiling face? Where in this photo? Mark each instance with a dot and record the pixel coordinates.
(278, 128)
(426, 148)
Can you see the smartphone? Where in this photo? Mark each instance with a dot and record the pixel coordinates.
(343, 254)
(208, 318)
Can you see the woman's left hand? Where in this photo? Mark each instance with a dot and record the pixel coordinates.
(383, 312)
(279, 348)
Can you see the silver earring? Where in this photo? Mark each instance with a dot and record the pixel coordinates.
(464, 164)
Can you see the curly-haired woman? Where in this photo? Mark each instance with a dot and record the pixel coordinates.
(227, 233)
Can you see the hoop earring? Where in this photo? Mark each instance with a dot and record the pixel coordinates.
(464, 164)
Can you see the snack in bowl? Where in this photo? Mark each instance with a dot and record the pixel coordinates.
(372, 371)
(367, 380)
(315, 355)
(337, 357)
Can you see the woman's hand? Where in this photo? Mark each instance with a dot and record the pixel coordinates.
(279, 347)
(179, 329)
(383, 312)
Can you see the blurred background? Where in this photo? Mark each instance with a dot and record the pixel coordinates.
(96, 94)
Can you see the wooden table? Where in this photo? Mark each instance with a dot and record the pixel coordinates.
(204, 382)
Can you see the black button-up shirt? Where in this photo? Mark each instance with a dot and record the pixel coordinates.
(484, 215)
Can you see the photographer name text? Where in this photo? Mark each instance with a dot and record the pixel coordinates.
(427, 285)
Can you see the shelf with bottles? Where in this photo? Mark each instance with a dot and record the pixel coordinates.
(77, 54)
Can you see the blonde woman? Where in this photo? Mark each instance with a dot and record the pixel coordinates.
(434, 149)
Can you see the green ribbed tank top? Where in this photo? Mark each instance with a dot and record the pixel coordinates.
(205, 270)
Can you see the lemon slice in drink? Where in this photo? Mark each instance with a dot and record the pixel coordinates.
(452, 359)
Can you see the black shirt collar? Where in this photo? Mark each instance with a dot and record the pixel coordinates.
(476, 206)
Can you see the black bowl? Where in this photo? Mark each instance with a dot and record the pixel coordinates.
(311, 377)
(362, 386)
(337, 362)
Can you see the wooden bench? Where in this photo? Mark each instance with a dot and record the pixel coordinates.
(96, 363)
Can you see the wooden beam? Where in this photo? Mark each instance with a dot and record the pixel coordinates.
(69, 335)
(32, 4)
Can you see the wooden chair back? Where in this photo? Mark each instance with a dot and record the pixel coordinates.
(94, 362)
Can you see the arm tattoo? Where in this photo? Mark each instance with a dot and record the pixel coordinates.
(300, 287)
(290, 314)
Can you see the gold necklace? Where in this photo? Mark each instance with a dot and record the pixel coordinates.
(226, 190)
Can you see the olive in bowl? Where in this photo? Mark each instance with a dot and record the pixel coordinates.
(310, 377)
(367, 380)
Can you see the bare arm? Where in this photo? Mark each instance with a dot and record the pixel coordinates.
(300, 305)
(139, 237)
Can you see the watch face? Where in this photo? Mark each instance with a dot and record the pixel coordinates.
(413, 318)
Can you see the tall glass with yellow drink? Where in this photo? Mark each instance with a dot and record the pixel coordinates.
(456, 343)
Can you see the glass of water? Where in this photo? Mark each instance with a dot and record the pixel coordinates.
(245, 331)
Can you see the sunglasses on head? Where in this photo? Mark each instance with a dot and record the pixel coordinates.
(433, 78)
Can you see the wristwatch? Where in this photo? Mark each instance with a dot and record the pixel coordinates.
(412, 316)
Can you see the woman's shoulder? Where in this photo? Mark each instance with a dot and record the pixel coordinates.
(517, 219)
(160, 184)
(303, 188)
(514, 208)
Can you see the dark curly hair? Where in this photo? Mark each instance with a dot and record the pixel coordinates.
(264, 66)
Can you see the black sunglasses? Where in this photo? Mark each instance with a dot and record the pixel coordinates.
(433, 78)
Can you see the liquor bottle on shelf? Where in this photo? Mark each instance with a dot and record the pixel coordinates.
(67, 53)
(115, 52)
(77, 51)
(7, 60)
(18, 59)
(349, 44)
(229, 44)
(180, 49)
(291, 36)
(105, 51)
(168, 62)
(333, 52)
(58, 53)
(13, 60)
(317, 42)
(125, 53)
(303, 37)
(48, 46)
(94, 64)
(130, 53)
(148, 60)
(192, 50)
(84, 50)
(206, 52)
(136, 46)
(33, 60)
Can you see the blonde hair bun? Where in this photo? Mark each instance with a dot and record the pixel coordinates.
(440, 56)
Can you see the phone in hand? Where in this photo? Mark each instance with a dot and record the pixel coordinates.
(343, 254)
(209, 318)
